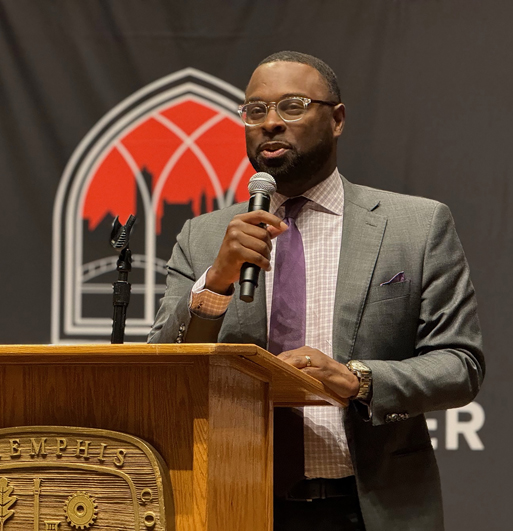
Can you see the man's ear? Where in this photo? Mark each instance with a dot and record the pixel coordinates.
(339, 119)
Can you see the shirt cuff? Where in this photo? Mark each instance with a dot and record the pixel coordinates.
(205, 303)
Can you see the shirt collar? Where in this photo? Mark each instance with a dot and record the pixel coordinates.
(328, 195)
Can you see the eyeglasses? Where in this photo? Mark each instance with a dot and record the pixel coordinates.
(288, 109)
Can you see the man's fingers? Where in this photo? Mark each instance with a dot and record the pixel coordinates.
(240, 232)
(273, 231)
(299, 358)
(260, 259)
(243, 247)
(261, 216)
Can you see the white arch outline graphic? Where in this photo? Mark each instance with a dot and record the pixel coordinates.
(74, 181)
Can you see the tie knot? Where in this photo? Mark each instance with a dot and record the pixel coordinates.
(293, 206)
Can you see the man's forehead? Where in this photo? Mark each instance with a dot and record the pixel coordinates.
(281, 78)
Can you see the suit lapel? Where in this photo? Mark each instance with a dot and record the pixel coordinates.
(362, 234)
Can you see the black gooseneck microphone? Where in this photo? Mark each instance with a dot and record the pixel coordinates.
(261, 187)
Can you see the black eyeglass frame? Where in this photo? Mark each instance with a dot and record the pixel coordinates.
(268, 105)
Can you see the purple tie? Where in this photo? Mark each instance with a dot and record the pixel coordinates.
(288, 309)
(287, 332)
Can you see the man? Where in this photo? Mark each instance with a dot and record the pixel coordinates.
(387, 292)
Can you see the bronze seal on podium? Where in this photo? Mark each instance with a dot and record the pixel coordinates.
(58, 478)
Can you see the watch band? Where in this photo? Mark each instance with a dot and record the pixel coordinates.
(364, 375)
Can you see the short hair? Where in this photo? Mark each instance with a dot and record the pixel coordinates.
(297, 57)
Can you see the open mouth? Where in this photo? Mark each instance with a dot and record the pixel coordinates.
(271, 150)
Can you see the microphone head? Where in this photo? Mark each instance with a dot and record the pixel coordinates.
(262, 183)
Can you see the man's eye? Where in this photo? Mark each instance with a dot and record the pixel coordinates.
(292, 107)
(255, 111)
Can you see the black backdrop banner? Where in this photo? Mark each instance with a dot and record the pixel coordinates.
(122, 106)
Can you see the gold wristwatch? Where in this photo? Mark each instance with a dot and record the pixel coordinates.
(364, 375)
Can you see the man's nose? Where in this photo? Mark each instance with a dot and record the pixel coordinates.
(273, 121)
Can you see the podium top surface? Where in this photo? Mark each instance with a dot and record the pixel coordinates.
(290, 386)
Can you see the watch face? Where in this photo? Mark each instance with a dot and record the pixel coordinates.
(358, 366)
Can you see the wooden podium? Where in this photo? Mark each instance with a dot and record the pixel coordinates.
(206, 408)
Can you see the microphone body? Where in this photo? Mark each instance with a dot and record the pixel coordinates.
(261, 187)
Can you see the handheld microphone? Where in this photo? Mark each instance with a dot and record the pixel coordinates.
(261, 187)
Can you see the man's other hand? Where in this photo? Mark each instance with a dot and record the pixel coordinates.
(331, 373)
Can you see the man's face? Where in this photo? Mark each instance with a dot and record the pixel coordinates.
(298, 154)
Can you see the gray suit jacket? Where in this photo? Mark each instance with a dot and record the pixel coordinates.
(420, 337)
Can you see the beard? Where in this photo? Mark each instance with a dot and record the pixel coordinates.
(295, 167)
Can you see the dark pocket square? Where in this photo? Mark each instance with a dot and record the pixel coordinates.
(399, 277)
